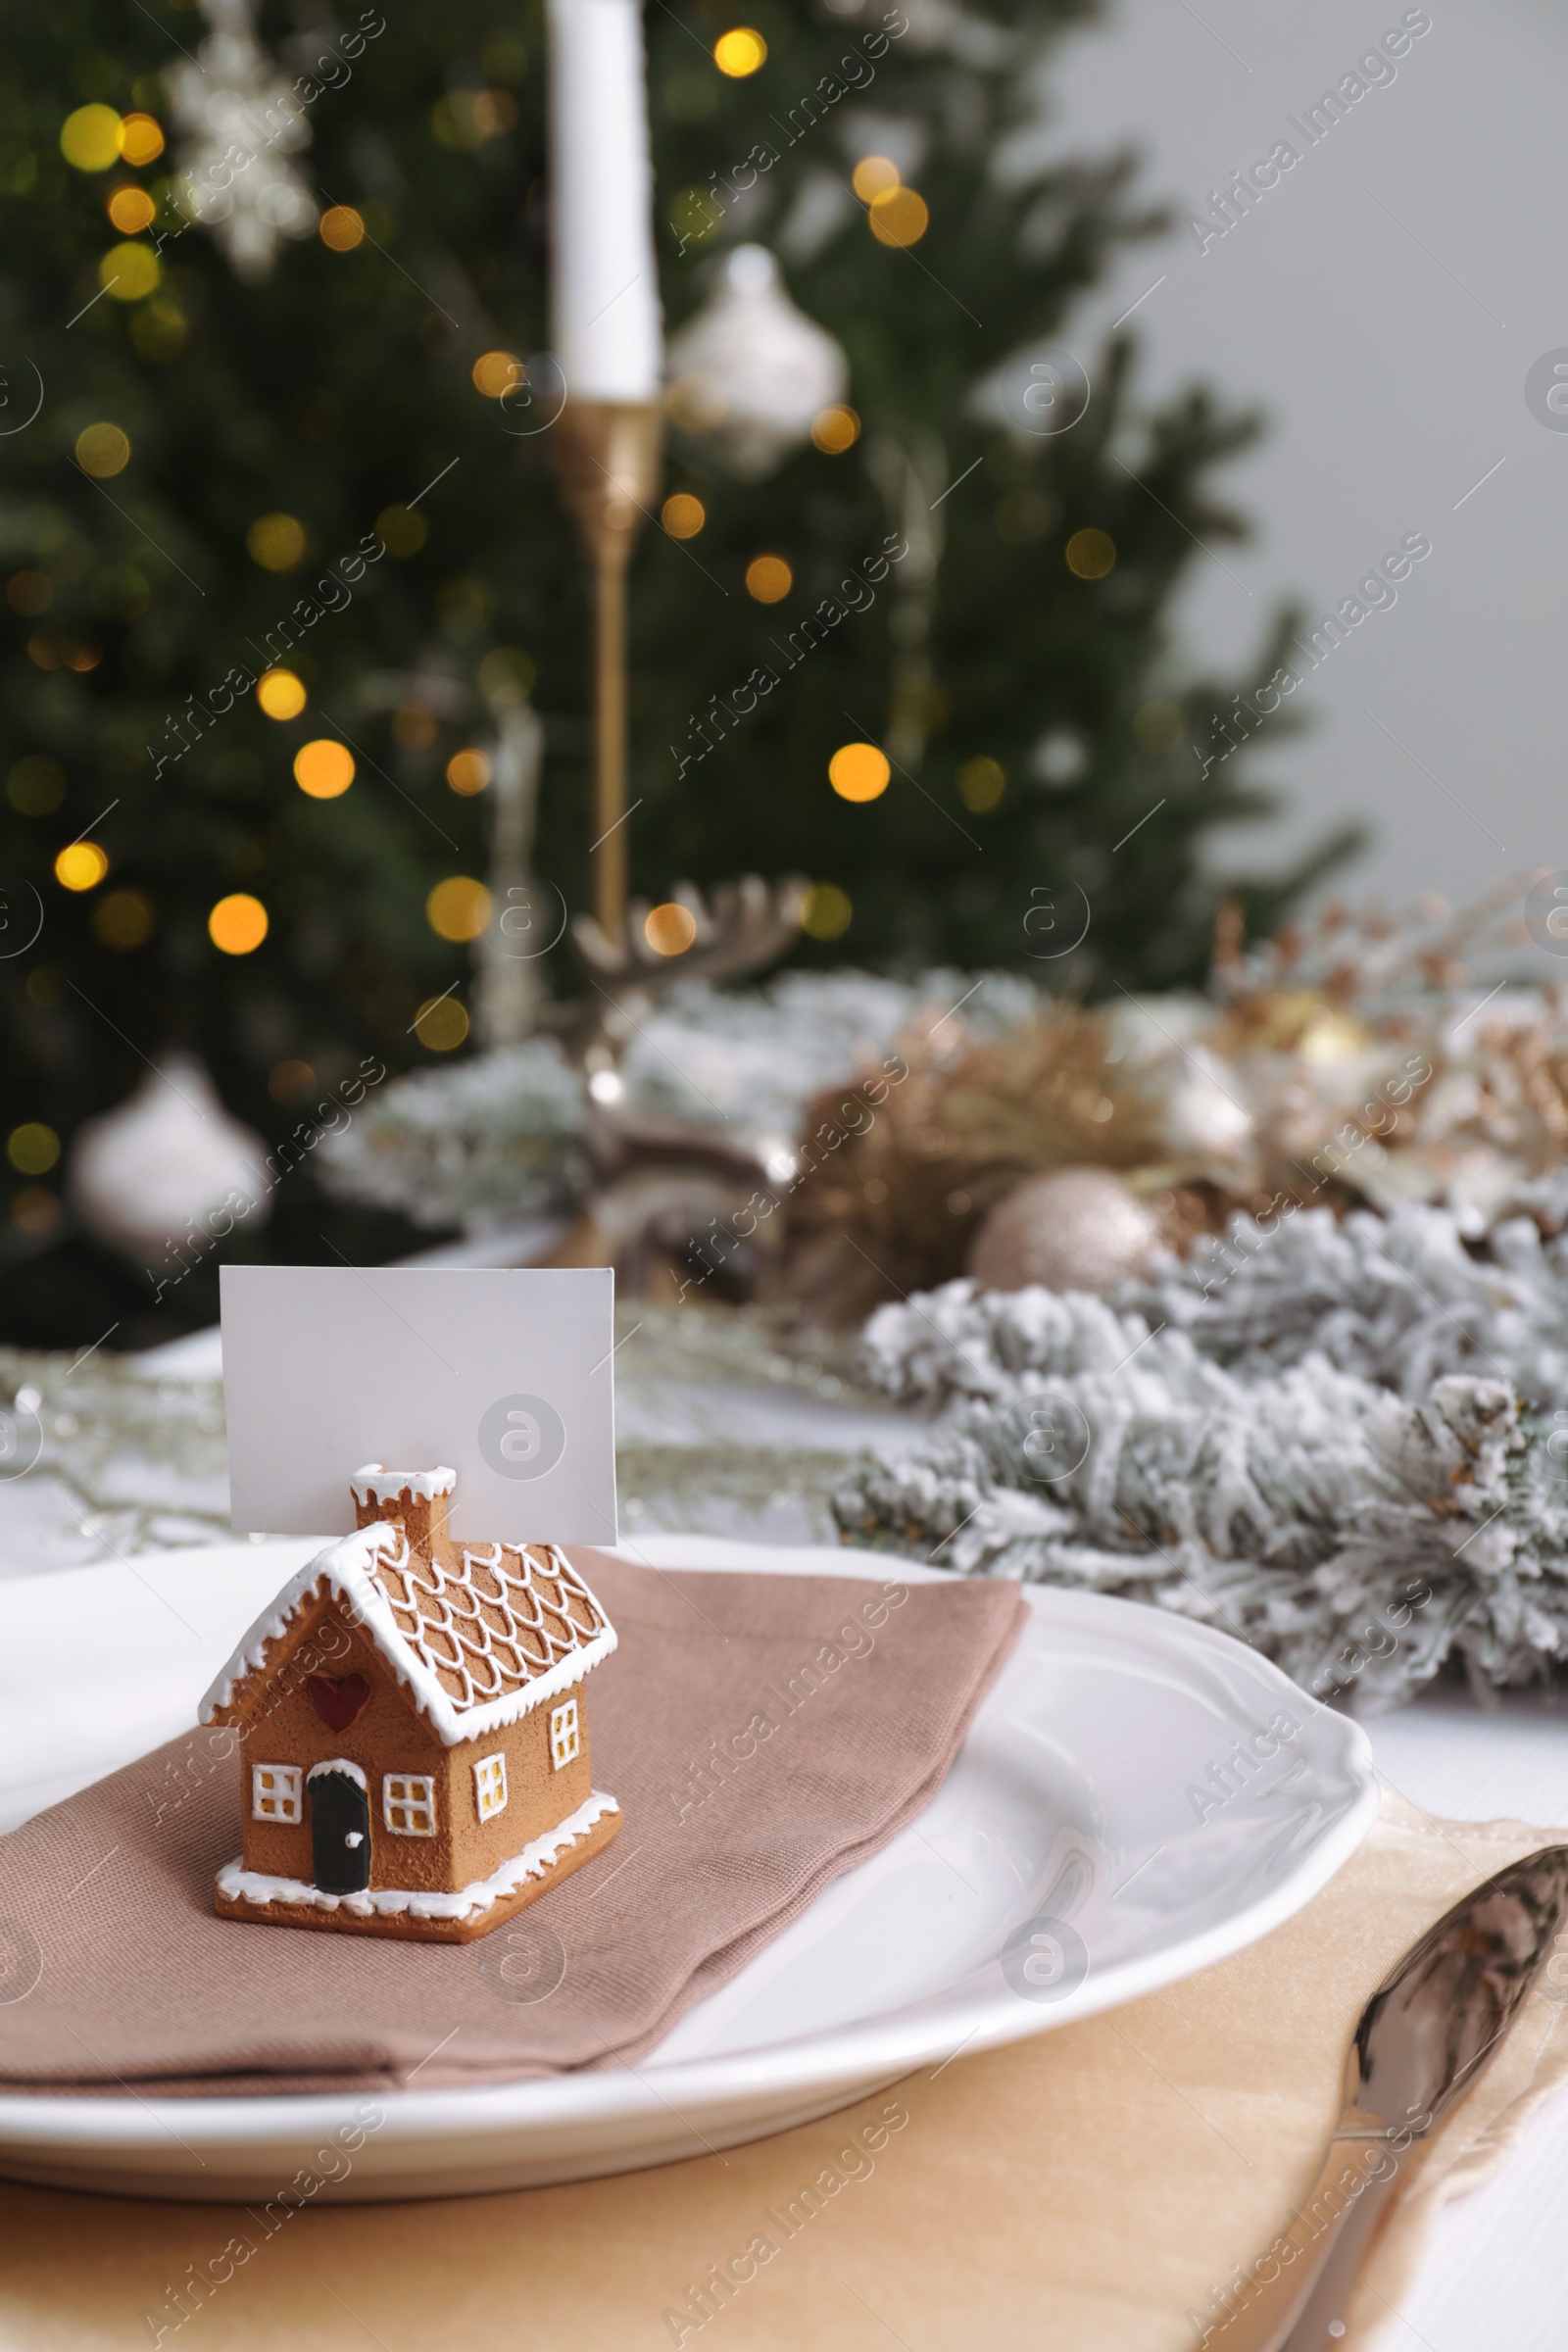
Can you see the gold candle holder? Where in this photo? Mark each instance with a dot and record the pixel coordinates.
(608, 452)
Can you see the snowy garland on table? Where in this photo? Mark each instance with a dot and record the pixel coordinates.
(481, 1143)
(498, 1138)
(757, 1056)
(1339, 1442)
(1398, 1301)
(1359, 1061)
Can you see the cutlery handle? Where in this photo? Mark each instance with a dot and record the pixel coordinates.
(1295, 2289)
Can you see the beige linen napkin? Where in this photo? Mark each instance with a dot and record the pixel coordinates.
(1079, 2192)
(762, 1733)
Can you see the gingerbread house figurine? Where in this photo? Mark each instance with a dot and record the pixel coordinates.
(413, 1754)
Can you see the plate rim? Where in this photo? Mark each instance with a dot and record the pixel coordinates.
(850, 2055)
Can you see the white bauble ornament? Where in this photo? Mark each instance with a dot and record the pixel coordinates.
(158, 1166)
(1077, 1229)
(751, 370)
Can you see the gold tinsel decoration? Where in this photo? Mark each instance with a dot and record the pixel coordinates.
(893, 1205)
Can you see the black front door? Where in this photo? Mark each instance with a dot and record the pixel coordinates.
(340, 1834)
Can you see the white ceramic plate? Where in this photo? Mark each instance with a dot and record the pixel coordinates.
(1066, 1866)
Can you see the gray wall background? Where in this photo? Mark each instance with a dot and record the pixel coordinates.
(1385, 303)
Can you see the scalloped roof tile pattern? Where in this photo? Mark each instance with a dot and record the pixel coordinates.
(496, 1623)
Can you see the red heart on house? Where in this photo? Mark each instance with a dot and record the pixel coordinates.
(338, 1698)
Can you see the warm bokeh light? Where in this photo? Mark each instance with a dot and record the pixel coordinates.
(36, 785)
(280, 694)
(131, 210)
(50, 651)
(683, 515)
(414, 728)
(1091, 554)
(237, 924)
(1023, 517)
(981, 784)
(80, 866)
(507, 675)
(441, 1024)
(122, 919)
(827, 912)
(468, 773)
(467, 118)
(858, 771)
(342, 229)
(121, 592)
(291, 1081)
(670, 929)
(102, 450)
(693, 214)
(458, 909)
(29, 592)
(324, 768)
(159, 329)
(875, 176)
(35, 1211)
(401, 531)
(740, 52)
(899, 217)
(90, 138)
(32, 1148)
(768, 578)
(835, 429)
(127, 272)
(1158, 726)
(496, 372)
(141, 140)
(276, 542)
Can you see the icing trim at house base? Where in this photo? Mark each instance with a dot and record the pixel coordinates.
(449, 1917)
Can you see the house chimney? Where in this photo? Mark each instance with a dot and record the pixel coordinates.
(416, 1498)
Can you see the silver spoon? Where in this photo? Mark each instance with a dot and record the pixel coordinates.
(1423, 2039)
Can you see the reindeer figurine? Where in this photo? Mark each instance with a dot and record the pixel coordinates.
(662, 1181)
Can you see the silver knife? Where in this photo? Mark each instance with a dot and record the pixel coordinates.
(1423, 2039)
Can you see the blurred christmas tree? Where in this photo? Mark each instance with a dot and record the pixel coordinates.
(286, 439)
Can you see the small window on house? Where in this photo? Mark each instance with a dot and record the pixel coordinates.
(565, 1739)
(408, 1804)
(490, 1785)
(276, 1791)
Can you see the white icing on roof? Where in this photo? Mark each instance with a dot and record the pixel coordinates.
(375, 1484)
(504, 1626)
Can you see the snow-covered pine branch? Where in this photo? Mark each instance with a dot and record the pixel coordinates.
(1346, 1416)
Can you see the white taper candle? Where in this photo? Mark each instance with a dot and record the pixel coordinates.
(607, 321)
